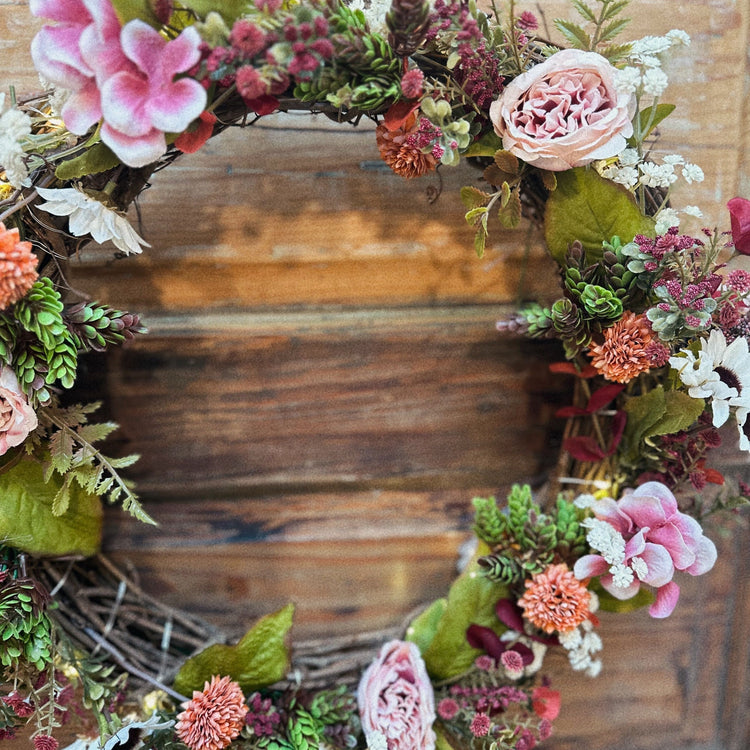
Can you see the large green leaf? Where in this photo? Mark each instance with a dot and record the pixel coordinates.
(588, 208)
(259, 659)
(230, 10)
(27, 521)
(98, 158)
(127, 10)
(471, 600)
(424, 626)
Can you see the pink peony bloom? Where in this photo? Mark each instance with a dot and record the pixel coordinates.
(739, 213)
(396, 699)
(17, 418)
(123, 76)
(564, 112)
(658, 539)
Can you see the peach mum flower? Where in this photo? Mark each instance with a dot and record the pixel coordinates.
(555, 600)
(626, 351)
(400, 152)
(214, 716)
(17, 267)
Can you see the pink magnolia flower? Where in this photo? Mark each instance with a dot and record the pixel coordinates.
(17, 418)
(564, 112)
(396, 699)
(123, 76)
(644, 538)
(739, 213)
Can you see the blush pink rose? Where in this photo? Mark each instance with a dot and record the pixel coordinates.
(739, 213)
(564, 112)
(396, 699)
(17, 418)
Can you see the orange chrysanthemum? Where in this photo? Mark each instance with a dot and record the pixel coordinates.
(398, 151)
(214, 716)
(555, 600)
(626, 351)
(17, 267)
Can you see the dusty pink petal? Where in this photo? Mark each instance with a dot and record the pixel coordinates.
(635, 545)
(123, 98)
(82, 109)
(135, 152)
(666, 600)
(608, 510)
(619, 592)
(182, 53)
(661, 492)
(101, 48)
(57, 56)
(644, 511)
(173, 110)
(590, 566)
(669, 536)
(63, 11)
(144, 46)
(659, 564)
(705, 557)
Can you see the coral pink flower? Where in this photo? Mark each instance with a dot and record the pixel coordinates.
(213, 717)
(652, 538)
(555, 600)
(565, 112)
(546, 702)
(739, 213)
(396, 699)
(17, 418)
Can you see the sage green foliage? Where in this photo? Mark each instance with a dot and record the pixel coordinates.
(25, 627)
(96, 326)
(52, 356)
(259, 659)
(605, 23)
(657, 412)
(95, 159)
(364, 73)
(588, 208)
(333, 706)
(471, 600)
(303, 731)
(27, 513)
(524, 539)
(76, 462)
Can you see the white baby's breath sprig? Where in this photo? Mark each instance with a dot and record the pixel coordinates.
(86, 215)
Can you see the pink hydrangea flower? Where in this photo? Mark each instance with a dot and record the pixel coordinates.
(396, 699)
(644, 538)
(123, 75)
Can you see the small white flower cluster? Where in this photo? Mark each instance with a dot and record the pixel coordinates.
(582, 642)
(631, 171)
(14, 127)
(610, 544)
(377, 741)
(644, 74)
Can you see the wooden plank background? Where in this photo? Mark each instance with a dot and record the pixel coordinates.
(323, 391)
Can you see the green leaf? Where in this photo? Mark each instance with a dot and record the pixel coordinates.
(678, 411)
(472, 197)
(28, 523)
(573, 33)
(487, 145)
(507, 162)
(480, 241)
(471, 600)
(611, 30)
(588, 208)
(423, 627)
(510, 213)
(647, 124)
(96, 159)
(259, 659)
(230, 10)
(643, 413)
(127, 10)
(584, 10)
(609, 603)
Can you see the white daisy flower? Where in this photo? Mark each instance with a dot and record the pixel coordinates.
(719, 372)
(744, 428)
(90, 216)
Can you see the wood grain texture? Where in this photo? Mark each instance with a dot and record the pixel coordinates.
(322, 392)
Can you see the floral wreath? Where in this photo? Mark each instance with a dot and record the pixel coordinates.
(654, 325)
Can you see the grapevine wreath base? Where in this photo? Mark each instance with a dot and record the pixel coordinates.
(653, 322)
